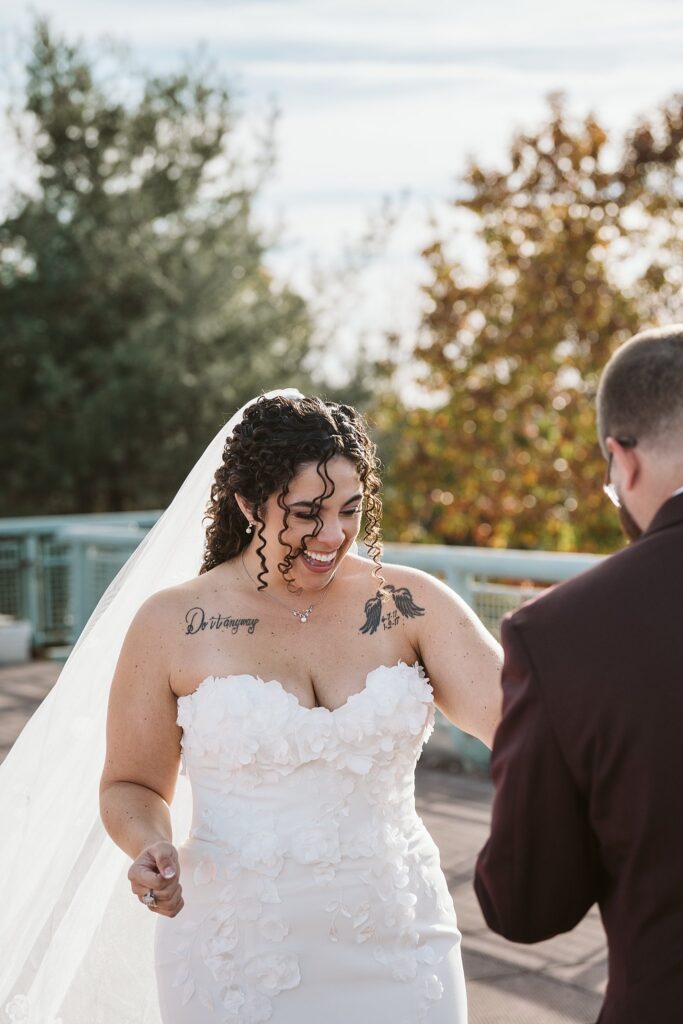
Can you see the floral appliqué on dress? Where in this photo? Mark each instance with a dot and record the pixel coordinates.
(306, 855)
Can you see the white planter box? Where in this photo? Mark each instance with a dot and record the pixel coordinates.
(15, 641)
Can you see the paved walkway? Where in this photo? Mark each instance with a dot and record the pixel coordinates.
(555, 982)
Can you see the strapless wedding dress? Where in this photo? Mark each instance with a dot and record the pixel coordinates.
(313, 892)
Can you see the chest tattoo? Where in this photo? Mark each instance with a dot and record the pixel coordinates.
(196, 621)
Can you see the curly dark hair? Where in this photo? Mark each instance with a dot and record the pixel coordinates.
(275, 438)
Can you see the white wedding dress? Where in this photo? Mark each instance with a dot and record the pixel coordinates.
(313, 891)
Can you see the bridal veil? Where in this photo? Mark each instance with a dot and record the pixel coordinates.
(75, 946)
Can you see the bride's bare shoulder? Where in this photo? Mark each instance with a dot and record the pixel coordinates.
(364, 570)
(162, 607)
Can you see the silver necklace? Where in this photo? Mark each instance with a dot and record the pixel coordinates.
(304, 615)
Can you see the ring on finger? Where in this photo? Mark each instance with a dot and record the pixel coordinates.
(149, 899)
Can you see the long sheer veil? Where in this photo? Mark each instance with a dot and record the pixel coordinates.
(75, 946)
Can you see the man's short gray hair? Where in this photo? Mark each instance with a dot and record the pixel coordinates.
(641, 388)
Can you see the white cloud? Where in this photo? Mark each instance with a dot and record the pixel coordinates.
(380, 96)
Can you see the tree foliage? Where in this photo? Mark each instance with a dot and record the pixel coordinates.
(582, 244)
(136, 311)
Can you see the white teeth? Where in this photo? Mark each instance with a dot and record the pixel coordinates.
(320, 558)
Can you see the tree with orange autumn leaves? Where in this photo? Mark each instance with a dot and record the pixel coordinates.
(583, 246)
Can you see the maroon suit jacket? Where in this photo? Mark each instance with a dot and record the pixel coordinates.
(588, 768)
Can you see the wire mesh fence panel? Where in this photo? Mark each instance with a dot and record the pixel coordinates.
(11, 555)
(491, 601)
(56, 607)
(102, 563)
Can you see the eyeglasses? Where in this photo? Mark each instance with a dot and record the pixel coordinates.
(608, 487)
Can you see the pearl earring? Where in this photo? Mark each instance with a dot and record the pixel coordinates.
(250, 527)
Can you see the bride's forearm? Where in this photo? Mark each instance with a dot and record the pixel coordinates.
(134, 816)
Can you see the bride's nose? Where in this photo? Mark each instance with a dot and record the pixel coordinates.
(332, 534)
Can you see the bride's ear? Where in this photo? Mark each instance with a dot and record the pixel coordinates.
(245, 508)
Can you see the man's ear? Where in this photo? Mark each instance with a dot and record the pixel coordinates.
(627, 462)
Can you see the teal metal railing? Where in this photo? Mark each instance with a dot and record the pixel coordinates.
(53, 570)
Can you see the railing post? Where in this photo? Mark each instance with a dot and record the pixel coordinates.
(460, 581)
(77, 581)
(31, 573)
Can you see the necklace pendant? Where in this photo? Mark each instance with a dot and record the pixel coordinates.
(304, 615)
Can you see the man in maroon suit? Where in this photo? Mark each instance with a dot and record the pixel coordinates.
(587, 760)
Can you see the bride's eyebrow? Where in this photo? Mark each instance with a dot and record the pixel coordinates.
(310, 504)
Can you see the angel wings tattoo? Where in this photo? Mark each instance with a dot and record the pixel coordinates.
(404, 605)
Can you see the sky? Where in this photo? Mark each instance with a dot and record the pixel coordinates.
(384, 100)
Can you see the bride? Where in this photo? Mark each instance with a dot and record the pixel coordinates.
(293, 683)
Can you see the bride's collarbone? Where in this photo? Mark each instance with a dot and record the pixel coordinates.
(353, 608)
(257, 618)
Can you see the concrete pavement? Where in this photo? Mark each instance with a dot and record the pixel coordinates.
(555, 982)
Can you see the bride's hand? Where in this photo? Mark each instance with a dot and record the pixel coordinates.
(156, 869)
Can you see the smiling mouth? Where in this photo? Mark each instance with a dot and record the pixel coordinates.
(319, 560)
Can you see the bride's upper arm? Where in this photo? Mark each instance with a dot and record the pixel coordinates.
(461, 658)
(143, 740)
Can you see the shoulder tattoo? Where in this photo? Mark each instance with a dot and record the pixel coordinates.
(404, 607)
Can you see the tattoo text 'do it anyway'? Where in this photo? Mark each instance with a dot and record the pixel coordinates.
(196, 621)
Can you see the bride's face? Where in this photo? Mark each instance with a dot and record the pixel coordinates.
(314, 558)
